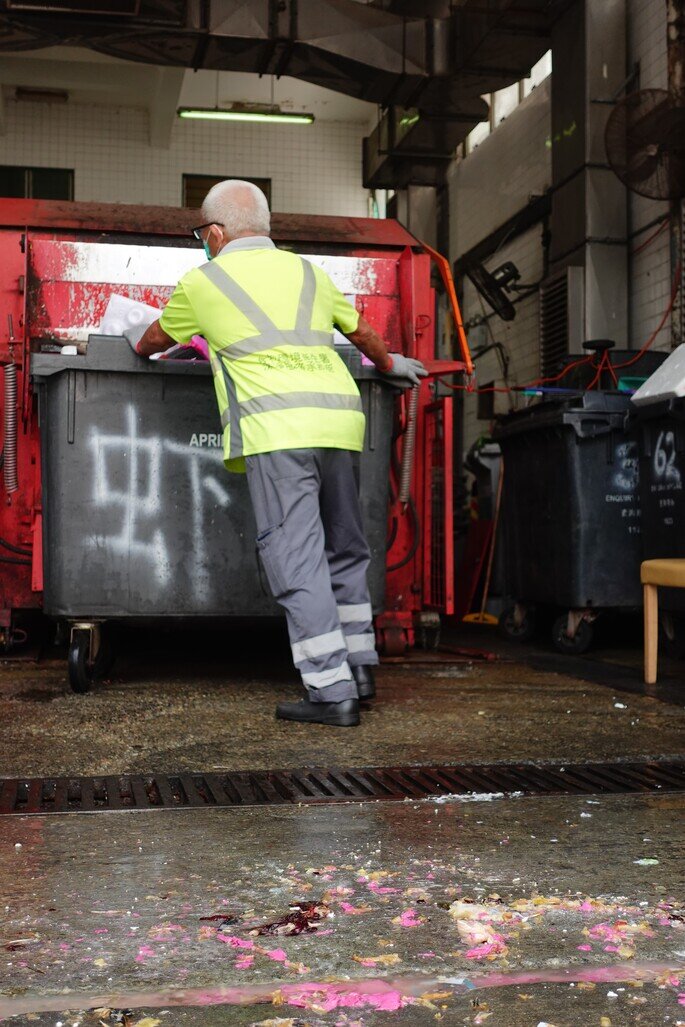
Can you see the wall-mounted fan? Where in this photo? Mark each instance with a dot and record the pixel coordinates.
(645, 143)
(494, 285)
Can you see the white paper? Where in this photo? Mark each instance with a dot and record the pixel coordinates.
(123, 313)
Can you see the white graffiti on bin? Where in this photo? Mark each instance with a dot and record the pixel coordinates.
(128, 475)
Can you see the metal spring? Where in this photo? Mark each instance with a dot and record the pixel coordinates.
(10, 429)
(409, 447)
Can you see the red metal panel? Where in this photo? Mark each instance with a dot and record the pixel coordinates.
(63, 292)
(17, 510)
(438, 508)
(70, 283)
(61, 215)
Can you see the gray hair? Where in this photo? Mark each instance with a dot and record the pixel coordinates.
(239, 206)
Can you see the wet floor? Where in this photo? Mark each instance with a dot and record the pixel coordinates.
(395, 899)
(197, 703)
(512, 912)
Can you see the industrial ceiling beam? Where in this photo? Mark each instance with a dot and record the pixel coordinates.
(362, 50)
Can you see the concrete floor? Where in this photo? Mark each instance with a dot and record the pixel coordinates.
(178, 702)
(107, 911)
(104, 911)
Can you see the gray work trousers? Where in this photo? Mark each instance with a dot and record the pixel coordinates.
(311, 542)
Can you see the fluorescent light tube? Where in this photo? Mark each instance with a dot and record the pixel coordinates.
(226, 114)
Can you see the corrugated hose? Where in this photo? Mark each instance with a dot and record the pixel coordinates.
(9, 469)
(409, 447)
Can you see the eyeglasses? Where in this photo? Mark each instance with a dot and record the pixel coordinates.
(197, 232)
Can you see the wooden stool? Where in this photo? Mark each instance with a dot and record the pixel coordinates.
(655, 573)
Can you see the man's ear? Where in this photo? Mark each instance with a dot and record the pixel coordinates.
(217, 237)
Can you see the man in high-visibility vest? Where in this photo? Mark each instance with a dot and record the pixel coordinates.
(292, 419)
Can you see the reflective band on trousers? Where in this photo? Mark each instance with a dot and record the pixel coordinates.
(319, 645)
(360, 643)
(268, 337)
(324, 678)
(354, 613)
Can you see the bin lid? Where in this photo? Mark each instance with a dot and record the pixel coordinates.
(587, 414)
(667, 382)
(112, 353)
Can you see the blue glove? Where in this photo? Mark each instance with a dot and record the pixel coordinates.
(405, 368)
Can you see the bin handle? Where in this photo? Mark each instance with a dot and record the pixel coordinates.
(587, 428)
(448, 281)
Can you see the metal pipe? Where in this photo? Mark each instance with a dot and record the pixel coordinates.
(10, 429)
(409, 447)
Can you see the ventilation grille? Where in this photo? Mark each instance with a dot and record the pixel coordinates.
(561, 318)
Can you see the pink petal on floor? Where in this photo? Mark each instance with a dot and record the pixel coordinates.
(409, 918)
(144, 952)
(280, 955)
(235, 942)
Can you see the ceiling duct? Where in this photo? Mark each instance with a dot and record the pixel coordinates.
(438, 64)
(426, 64)
(410, 148)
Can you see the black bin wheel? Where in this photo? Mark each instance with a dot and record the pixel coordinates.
(81, 670)
(581, 641)
(517, 630)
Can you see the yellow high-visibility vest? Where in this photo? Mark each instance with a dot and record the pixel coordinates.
(268, 317)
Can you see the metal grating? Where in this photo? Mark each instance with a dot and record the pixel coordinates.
(40, 796)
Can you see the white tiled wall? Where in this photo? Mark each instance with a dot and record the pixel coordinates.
(650, 271)
(315, 169)
(497, 179)
(519, 337)
(647, 41)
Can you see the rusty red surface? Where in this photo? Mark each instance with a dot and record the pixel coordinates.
(62, 215)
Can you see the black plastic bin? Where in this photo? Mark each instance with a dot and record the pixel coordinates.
(571, 513)
(662, 491)
(140, 518)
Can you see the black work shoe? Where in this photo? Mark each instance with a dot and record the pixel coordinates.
(366, 683)
(337, 714)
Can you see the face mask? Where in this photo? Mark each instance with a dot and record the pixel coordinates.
(205, 245)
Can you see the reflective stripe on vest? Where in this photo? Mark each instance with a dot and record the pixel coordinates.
(267, 336)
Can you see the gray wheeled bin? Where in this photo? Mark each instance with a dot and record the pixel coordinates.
(662, 478)
(571, 514)
(140, 517)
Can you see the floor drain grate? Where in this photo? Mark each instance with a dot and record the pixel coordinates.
(316, 785)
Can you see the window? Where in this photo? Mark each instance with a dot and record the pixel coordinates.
(538, 73)
(36, 183)
(196, 187)
(504, 101)
(477, 135)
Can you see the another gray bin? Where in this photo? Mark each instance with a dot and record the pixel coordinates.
(140, 518)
